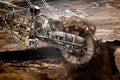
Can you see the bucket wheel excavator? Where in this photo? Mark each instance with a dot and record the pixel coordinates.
(76, 39)
(73, 36)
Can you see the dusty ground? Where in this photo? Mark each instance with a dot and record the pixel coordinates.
(41, 64)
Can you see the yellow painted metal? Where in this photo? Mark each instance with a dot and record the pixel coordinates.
(15, 33)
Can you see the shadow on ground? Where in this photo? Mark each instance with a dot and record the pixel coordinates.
(31, 54)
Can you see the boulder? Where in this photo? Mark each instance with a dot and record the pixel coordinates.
(117, 58)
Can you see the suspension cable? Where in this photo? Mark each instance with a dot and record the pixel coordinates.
(45, 3)
(30, 4)
(49, 8)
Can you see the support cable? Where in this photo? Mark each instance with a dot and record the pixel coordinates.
(30, 4)
(49, 8)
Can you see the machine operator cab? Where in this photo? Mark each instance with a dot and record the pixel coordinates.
(35, 10)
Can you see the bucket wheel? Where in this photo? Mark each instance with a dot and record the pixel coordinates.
(84, 53)
(82, 56)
